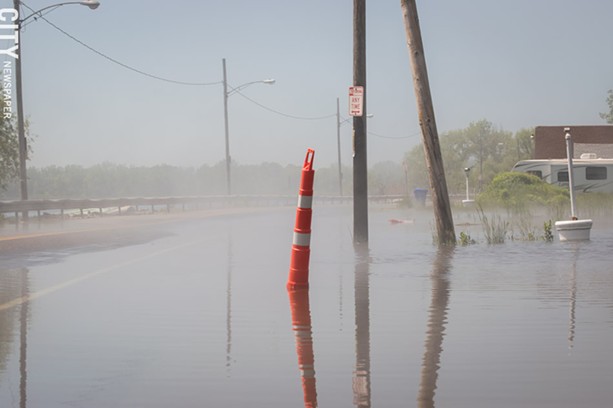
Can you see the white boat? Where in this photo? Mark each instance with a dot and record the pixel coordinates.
(591, 174)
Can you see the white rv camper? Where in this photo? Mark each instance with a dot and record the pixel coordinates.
(589, 173)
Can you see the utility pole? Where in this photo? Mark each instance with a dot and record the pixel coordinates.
(23, 143)
(434, 160)
(480, 160)
(360, 164)
(227, 132)
(338, 143)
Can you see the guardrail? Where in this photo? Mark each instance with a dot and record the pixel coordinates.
(121, 205)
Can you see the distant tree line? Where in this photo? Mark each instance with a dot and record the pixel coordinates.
(481, 147)
(112, 180)
(484, 149)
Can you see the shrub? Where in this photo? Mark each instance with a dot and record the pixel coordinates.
(517, 192)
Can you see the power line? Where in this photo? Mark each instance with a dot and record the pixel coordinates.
(172, 80)
(141, 72)
(39, 14)
(285, 114)
(121, 63)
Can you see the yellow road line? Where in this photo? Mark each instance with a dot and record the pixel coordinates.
(55, 288)
(38, 235)
(154, 220)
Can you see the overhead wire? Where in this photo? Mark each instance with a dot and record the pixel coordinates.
(285, 114)
(189, 83)
(36, 15)
(119, 62)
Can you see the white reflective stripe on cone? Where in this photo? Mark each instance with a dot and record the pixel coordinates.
(307, 370)
(301, 239)
(305, 201)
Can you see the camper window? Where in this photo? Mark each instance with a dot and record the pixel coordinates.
(595, 173)
(562, 175)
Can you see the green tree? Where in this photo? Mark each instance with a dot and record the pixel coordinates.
(484, 149)
(524, 139)
(480, 146)
(609, 116)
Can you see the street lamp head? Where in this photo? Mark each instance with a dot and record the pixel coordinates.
(269, 81)
(92, 4)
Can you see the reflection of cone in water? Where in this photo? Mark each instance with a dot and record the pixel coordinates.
(299, 262)
(301, 325)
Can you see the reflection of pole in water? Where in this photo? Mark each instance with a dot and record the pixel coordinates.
(340, 277)
(15, 292)
(23, 339)
(436, 327)
(301, 325)
(572, 302)
(340, 298)
(229, 307)
(361, 376)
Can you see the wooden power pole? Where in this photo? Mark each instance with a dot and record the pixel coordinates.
(360, 165)
(427, 123)
(23, 143)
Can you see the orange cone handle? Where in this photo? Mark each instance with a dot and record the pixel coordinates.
(301, 325)
(299, 261)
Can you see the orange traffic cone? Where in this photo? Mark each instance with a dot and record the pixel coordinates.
(299, 262)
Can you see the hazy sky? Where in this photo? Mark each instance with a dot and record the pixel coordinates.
(517, 64)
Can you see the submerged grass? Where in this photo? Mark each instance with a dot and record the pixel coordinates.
(495, 228)
(526, 203)
(519, 206)
(498, 228)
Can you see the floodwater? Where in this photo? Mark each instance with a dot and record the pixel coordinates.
(193, 312)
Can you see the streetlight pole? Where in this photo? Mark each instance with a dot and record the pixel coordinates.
(23, 147)
(338, 143)
(23, 144)
(227, 132)
(467, 202)
(466, 173)
(226, 95)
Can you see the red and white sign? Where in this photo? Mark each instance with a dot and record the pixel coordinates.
(356, 100)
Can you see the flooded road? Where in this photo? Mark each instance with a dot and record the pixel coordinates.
(192, 311)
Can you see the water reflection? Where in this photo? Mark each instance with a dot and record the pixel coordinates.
(301, 325)
(229, 308)
(361, 375)
(437, 319)
(14, 291)
(23, 339)
(572, 296)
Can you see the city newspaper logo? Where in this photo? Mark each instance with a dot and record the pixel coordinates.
(8, 21)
